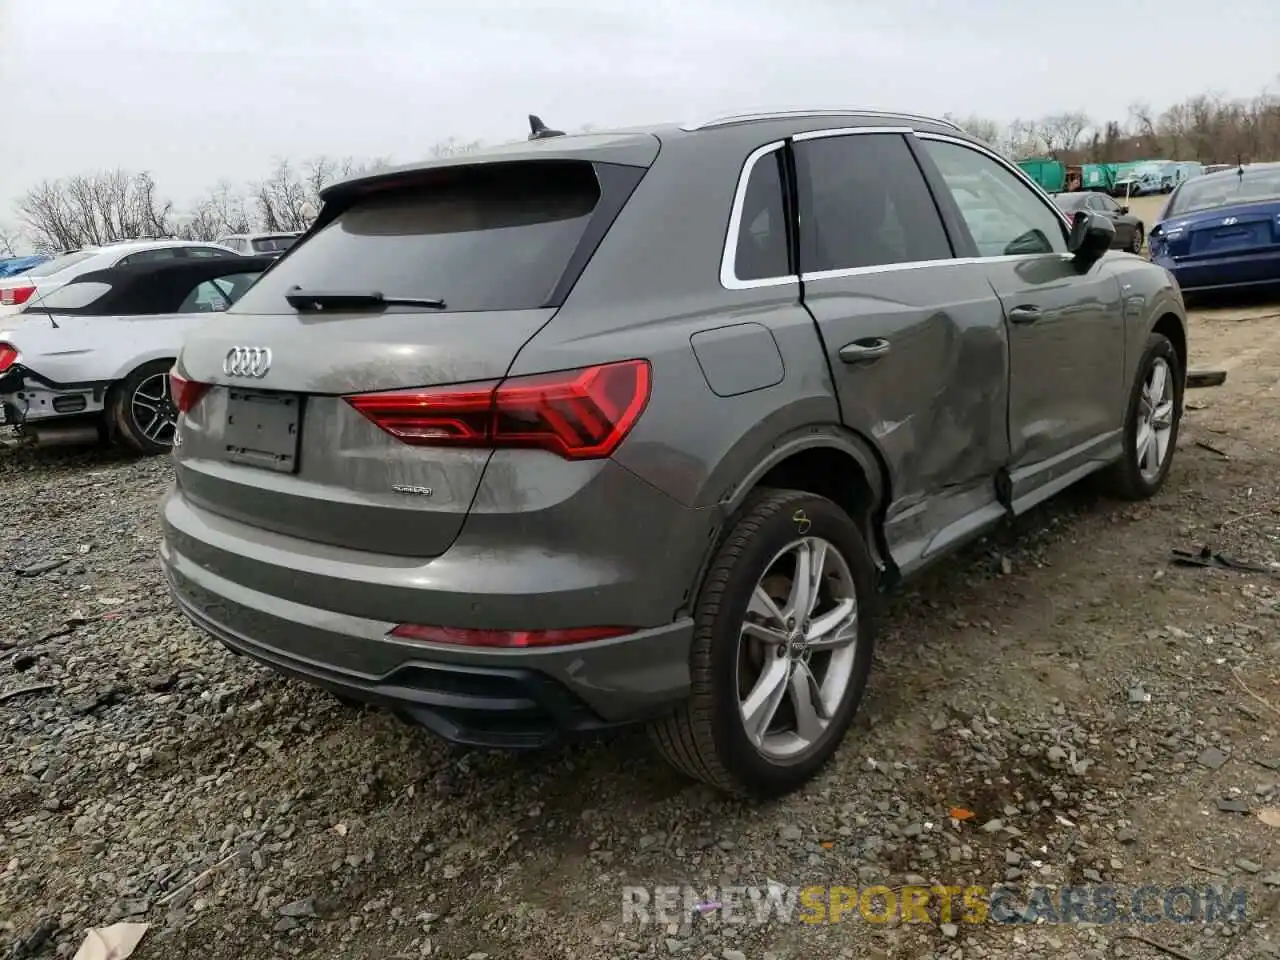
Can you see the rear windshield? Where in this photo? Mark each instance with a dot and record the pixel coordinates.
(1070, 201)
(1225, 190)
(50, 267)
(492, 237)
(273, 244)
(72, 296)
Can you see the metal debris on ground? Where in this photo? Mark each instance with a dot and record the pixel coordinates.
(1207, 557)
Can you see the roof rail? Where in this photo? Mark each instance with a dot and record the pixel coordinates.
(785, 114)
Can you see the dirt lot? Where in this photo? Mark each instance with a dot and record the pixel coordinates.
(1108, 717)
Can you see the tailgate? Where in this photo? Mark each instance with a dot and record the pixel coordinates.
(274, 441)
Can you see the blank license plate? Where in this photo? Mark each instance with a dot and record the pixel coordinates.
(262, 429)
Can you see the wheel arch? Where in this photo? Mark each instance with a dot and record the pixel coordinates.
(135, 362)
(1170, 325)
(831, 462)
(110, 405)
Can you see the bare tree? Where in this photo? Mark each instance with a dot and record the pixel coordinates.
(1062, 131)
(452, 148)
(94, 209)
(1021, 139)
(8, 243)
(283, 199)
(982, 128)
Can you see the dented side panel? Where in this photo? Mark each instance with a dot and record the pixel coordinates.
(935, 403)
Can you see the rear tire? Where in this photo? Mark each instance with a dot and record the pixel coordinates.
(1151, 424)
(140, 409)
(708, 737)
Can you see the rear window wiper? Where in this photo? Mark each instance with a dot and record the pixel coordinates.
(301, 299)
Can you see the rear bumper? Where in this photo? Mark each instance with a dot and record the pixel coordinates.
(1226, 273)
(28, 397)
(482, 697)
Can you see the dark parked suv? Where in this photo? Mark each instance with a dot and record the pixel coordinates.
(634, 426)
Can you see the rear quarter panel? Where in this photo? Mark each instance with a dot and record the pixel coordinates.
(651, 286)
(97, 349)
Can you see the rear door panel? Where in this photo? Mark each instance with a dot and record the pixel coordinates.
(878, 276)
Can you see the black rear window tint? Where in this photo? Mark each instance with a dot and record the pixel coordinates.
(493, 237)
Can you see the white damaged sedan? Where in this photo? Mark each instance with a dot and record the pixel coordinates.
(91, 360)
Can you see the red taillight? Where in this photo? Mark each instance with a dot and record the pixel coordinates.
(577, 414)
(15, 296)
(8, 354)
(186, 393)
(507, 638)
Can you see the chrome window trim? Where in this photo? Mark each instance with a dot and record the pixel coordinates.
(731, 119)
(848, 132)
(728, 272)
(728, 257)
(1013, 168)
(921, 264)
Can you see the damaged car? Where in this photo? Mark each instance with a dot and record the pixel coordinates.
(496, 448)
(91, 360)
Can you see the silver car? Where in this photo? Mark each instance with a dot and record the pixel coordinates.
(634, 427)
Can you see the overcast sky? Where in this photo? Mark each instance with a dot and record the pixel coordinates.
(202, 90)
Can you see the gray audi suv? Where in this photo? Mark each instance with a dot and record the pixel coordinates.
(636, 426)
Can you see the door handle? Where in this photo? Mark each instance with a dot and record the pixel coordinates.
(860, 351)
(1025, 314)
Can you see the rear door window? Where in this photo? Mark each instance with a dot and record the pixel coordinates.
(864, 203)
(217, 294)
(485, 237)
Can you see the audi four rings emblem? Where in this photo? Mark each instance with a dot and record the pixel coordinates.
(247, 362)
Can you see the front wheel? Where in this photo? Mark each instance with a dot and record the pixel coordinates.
(782, 648)
(1138, 236)
(1151, 423)
(141, 412)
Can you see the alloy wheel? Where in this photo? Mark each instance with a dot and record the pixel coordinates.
(797, 647)
(1155, 420)
(153, 410)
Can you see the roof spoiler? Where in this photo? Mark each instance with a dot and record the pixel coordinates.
(539, 130)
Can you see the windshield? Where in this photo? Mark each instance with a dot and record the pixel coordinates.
(481, 238)
(50, 267)
(1225, 190)
(273, 244)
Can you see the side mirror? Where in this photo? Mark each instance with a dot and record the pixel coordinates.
(1123, 209)
(1091, 237)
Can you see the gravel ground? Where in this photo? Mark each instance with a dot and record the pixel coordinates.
(1105, 715)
